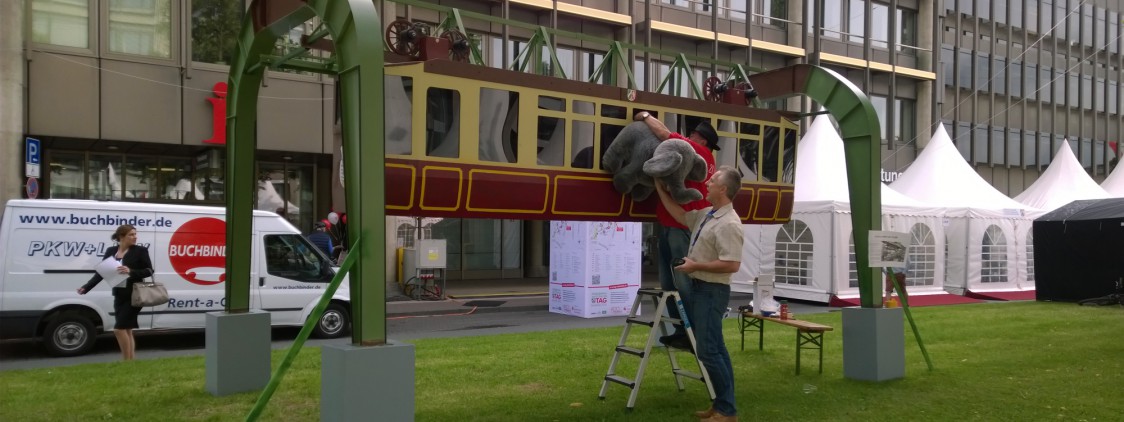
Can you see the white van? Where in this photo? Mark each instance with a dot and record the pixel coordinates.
(50, 248)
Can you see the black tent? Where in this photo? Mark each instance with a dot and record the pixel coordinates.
(1079, 250)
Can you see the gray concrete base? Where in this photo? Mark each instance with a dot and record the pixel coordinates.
(237, 352)
(873, 344)
(367, 383)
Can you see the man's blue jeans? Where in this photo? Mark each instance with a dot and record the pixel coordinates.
(673, 243)
(708, 305)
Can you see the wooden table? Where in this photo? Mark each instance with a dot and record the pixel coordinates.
(809, 335)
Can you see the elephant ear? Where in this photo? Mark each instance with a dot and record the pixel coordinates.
(698, 169)
(666, 159)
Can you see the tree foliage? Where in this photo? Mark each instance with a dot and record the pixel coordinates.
(215, 25)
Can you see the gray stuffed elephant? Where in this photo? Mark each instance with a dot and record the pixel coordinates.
(636, 156)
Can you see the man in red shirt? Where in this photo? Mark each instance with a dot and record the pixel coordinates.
(674, 238)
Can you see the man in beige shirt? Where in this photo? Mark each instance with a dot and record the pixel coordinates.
(713, 254)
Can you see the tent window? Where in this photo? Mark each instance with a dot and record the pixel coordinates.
(1030, 256)
(794, 254)
(994, 256)
(852, 264)
(921, 261)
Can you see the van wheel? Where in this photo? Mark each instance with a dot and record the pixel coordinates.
(334, 323)
(69, 334)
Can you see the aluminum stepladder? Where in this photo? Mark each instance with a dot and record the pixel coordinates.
(658, 327)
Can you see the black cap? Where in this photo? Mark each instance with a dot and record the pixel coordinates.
(319, 225)
(707, 132)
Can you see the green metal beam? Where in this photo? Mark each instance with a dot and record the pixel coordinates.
(680, 65)
(615, 58)
(455, 21)
(858, 124)
(246, 75)
(555, 32)
(358, 36)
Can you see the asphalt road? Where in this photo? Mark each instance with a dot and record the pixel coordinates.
(26, 354)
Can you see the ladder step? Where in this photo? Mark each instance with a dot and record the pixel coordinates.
(688, 374)
(631, 350)
(620, 380)
(639, 321)
(649, 292)
(674, 321)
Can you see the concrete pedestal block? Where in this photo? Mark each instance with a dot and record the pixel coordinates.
(873, 344)
(237, 352)
(367, 383)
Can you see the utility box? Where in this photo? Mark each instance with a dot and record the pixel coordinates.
(423, 269)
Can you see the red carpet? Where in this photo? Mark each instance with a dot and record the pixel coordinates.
(917, 300)
(1008, 295)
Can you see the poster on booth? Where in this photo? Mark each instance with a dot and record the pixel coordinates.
(594, 267)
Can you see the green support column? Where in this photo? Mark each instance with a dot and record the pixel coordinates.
(241, 119)
(357, 34)
(858, 124)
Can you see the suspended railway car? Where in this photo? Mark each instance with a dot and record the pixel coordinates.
(477, 142)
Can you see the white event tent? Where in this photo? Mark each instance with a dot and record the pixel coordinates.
(1064, 181)
(1114, 184)
(987, 235)
(812, 256)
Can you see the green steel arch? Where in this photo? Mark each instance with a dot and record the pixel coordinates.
(357, 62)
(859, 128)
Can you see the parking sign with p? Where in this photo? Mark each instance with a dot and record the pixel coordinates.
(33, 154)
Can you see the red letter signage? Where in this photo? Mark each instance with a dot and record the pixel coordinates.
(218, 115)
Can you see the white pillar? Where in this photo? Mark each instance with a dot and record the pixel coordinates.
(12, 83)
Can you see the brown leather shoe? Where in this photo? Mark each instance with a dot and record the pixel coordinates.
(718, 417)
(703, 414)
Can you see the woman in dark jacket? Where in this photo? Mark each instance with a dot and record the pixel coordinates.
(136, 264)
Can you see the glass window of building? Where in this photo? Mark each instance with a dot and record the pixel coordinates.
(905, 120)
(1014, 147)
(286, 189)
(1016, 8)
(907, 30)
(141, 27)
(1016, 72)
(1031, 23)
(998, 144)
(67, 176)
(832, 19)
(591, 62)
(1030, 141)
(880, 25)
(64, 23)
(565, 62)
(105, 176)
(774, 13)
(737, 10)
(856, 22)
(214, 30)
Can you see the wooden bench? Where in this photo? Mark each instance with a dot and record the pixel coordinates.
(809, 335)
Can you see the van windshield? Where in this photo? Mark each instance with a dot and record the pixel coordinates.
(291, 256)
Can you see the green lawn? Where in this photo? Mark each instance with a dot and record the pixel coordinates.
(1003, 361)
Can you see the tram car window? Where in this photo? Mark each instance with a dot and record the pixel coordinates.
(398, 130)
(499, 125)
(442, 123)
(551, 132)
